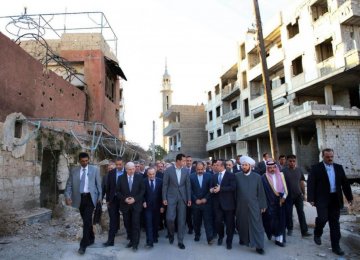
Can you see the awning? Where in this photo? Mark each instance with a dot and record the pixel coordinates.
(114, 66)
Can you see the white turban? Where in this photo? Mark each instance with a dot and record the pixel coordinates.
(247, 159)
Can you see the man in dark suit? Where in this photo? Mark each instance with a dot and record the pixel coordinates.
(326, 183)
(237, 166)
(260, 168)
(200, 202)
(130, 191)
(112, 201)
(83, 190)
(152, 206)
(176, 196)
(223, 190)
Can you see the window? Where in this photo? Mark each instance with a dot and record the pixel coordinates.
(211, 136)
(234, 105)
(297, 67)
(217, 90)
(233, 128)
(242, 52)
(318, 9)
(324, 50)
(246, 107)
(218, 113)
(218, 132)
(210, 116)
(167, 102)
(209, 95)
(259, 114)
(110, 84)
(244, 80)
(18, 129)
(293, 29)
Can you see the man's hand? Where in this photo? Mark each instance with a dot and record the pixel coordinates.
(165, 202)
(131, 201)
(263, 210)
(68, 201)
(144, 205)
(312, 203)
(189, 203)
(282, 201)
(198, 202)
(350, 203)
(204, 201)
(162, 210)
(217, 189)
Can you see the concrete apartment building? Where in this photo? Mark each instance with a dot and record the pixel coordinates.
(183, 125)
(313, 56)
(223, 115)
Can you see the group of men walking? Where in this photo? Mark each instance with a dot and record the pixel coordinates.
(254, 199)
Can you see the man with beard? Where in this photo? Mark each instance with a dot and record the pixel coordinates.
(250, 204)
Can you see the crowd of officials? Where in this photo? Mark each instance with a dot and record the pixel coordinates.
(226, 197)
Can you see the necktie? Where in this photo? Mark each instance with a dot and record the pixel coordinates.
(200, 181)
(82, 181)
(152, 185)
(220, 178)
(130, 183)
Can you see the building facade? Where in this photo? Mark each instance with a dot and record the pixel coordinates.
(313, 57)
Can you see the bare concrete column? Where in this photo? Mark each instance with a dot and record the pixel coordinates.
(258, 146)
(329, 97)
(294, 140)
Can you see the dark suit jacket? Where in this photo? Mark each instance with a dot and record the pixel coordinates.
(318, 185)
(260, 167)
(235, 169)
(153, 199)
(137, 192)
(111, 185)
(226, 196)
(200, 193)
(159, 175)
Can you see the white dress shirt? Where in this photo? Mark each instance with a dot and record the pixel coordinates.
(86, 186)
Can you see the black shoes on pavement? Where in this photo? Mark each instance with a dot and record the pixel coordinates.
(317, 240)
(220, 241)
(181, 245)
(82, 250)
(306, 234)
(260, 251)
(279, 244)
(338, 251)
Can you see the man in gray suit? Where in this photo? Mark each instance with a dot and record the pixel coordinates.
(176, 195)
(83, 191)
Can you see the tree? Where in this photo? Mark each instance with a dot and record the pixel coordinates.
(160, 153)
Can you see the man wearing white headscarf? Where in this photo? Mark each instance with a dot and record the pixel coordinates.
(250, 204)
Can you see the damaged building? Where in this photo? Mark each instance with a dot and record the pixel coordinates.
(60, 96)
(313, 58)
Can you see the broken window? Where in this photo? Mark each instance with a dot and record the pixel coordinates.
(293, 29)
(318, 9)
(218, 132)
(211, 136)
(258, 114)
(242, 52)
(246, 107)
(324, 50)
(110, 84)
(218, 113)
(234, 105)
(297, 67)
(210, 116)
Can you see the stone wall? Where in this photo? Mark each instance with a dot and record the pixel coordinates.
(344, 137)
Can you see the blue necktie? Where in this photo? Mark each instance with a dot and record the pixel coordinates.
(152, 185)
(130, 183)
(220, 178)
(82, 181)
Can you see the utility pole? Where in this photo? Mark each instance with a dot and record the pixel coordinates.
(266, 81)
(153, 143)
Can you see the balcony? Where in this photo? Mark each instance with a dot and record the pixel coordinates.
(231, 116)
(288, 114)
(275, 92)
(326, 67)
(230, 91)
(221, 141)
(171, 129)
(349, 13)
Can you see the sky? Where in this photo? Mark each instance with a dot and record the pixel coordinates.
(198, 38)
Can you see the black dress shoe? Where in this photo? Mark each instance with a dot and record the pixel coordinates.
(317, 240)
(242, 243)
(108, 243)
(171, 240)
(228, 246)
(190, 232)
(82, 250)
(135, 248)
(181, 245)
(149, 245)
(338, 251)
(91, 242)
(220, 240)
(260, 251)
(210, 241)
(197, 239)
(306, 234)
(279, 244)
(290, 232)
(129, 245)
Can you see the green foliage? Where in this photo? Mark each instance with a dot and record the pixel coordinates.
(160, 152)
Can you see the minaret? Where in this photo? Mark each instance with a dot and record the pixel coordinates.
(166, 101)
